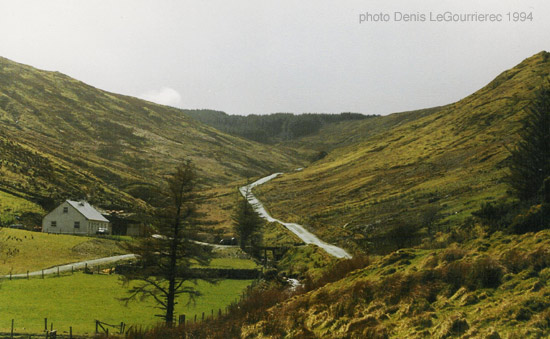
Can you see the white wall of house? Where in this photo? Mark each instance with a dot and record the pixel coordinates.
(65, 219)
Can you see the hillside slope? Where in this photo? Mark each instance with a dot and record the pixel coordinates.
(495, 287)
(345, 133)
(62, 138)
(438, 167)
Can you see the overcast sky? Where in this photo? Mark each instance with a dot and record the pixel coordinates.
(261, 57)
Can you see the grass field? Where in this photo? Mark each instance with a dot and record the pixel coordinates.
(23, 250)
(78, 300)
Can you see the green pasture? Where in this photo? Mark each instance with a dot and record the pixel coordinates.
(24, 250)
(80, 299)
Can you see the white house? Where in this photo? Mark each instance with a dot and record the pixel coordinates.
(75, 217)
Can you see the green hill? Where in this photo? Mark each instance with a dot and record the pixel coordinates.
(430, 169)
(61, 138)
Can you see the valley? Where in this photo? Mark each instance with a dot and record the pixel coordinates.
(396, 226)
(445, 162)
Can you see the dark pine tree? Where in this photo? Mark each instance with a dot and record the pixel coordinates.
(247, 224)
(530, 159)
(165, 257)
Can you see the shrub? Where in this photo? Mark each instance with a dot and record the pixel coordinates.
(378, 332)
(344, 308)
(422, 321)
(273, 327)
(539, 259)
(514, 260)
(496, 216)
(338, 271)
(485, 273)
(396, 286)
(543, 320)
(402, 234)
(363, 290)
(455, 273)
(535, 219)
(257, 302)
(453, 254)
(544, 275)
(429, 285)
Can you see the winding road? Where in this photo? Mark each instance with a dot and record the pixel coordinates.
(246, 191)
(76, 266)
(299, 230)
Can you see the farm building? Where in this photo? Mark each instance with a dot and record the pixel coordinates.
(75, 217)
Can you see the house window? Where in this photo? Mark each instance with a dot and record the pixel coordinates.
(65, 210)
(77, 224)
(53, 224)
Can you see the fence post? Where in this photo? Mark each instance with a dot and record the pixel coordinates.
(58, 271)
(12, 328)
(96, 325)
(42, 274)
(121, 327)
(27, 275)
(45, 324)
(195, 318)
(70, 332)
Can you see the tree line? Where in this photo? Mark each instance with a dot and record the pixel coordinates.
(271, 128)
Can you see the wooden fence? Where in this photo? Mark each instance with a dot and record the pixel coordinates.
(48, 333)
(104, 327)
